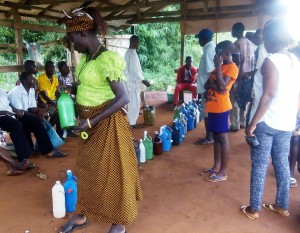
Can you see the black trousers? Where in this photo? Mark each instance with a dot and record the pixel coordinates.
(33, 124)
(15, 129)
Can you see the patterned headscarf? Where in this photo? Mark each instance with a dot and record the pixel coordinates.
(78, 20)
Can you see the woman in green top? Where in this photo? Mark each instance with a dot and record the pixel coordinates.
(106, 167)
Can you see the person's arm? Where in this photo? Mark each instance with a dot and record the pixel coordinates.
(19, 112)
(120, 100)
(221, 80)
(48, 100)
(193, 73)
(209, 60)
(270, 83)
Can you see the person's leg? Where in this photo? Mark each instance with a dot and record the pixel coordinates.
(260, 157)
(234, 114)
(294, 150)
(178, 88)
(34, 124)
(224, 153)
(143, 99)
(279, 153)
(133, 107)
(217, 153)
(15, 129)
(242, 119)
(191, 87)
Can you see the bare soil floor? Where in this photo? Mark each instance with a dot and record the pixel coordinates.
(176, 198)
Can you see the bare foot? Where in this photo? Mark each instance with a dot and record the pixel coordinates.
(117, 228)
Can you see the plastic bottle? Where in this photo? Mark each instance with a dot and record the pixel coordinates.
(142, 152)
(157, 144)
(58, 200)
(66, 111)
(148, 146)
(70, 187)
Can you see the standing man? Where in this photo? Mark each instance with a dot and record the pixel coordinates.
(205, 68)
(135, 82)
(244, 59)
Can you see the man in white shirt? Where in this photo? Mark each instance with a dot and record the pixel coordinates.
(206, 66)
(135, 82)
(244, 59)
(22, 99)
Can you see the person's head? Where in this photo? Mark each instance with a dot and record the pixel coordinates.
(276, 36)
(250, 36)
(49, 68)
(82, 27)
(225, 49)
(27, 79)
(258, 37)
(204, 36)
(134, 42)
(237, 30)
(63, 68)
(188, 61)
(30, 66)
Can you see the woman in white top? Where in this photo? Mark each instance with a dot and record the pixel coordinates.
(274, 120)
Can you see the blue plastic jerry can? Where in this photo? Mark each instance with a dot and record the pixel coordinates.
(70, 187)
(166, 138)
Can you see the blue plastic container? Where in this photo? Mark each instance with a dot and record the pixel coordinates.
(70, 187)
(166, 136)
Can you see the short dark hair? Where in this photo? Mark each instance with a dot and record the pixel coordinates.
(133, 38)
(24, 76)
(60, 65)
(226, 45)
(48, 63)
(238, 27)
(28, 63)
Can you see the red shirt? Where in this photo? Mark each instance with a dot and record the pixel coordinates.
(184, 75)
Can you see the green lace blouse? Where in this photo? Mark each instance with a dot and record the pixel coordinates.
(93, 88)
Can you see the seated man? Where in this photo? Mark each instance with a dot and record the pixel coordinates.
(186, 80)
(22, 101)
(48, 87)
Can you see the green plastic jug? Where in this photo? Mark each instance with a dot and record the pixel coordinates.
(148, 146)
(66, 111)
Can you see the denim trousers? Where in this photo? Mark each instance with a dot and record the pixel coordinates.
(277, 144)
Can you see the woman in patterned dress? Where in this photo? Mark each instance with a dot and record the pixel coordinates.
(106, 167)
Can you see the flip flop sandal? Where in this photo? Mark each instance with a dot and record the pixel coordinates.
(249, 215)
(215, 178)
(272, 207)
(56, 154)
(137, 126)
(208, 171)
(70, 227)
(26, 165)
(14, 172)
(203, 141)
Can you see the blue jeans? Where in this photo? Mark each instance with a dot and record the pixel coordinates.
(277, 144)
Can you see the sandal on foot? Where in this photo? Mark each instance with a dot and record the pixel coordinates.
(137, 126)
(14, 172)
(70, 227)
(252, 216)
(56, 154)
(26, 165)
(215, 178)
(293, 182)
(204, 141)
(208, 171)
(274, 208)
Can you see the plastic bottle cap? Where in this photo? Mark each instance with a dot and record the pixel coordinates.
(69, 171)
(57, 182)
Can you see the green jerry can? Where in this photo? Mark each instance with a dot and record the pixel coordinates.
(66, 111)
(148, 145)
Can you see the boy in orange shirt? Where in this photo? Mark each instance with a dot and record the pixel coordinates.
(218, 107)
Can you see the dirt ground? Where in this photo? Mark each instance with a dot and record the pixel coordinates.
(176, 199)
